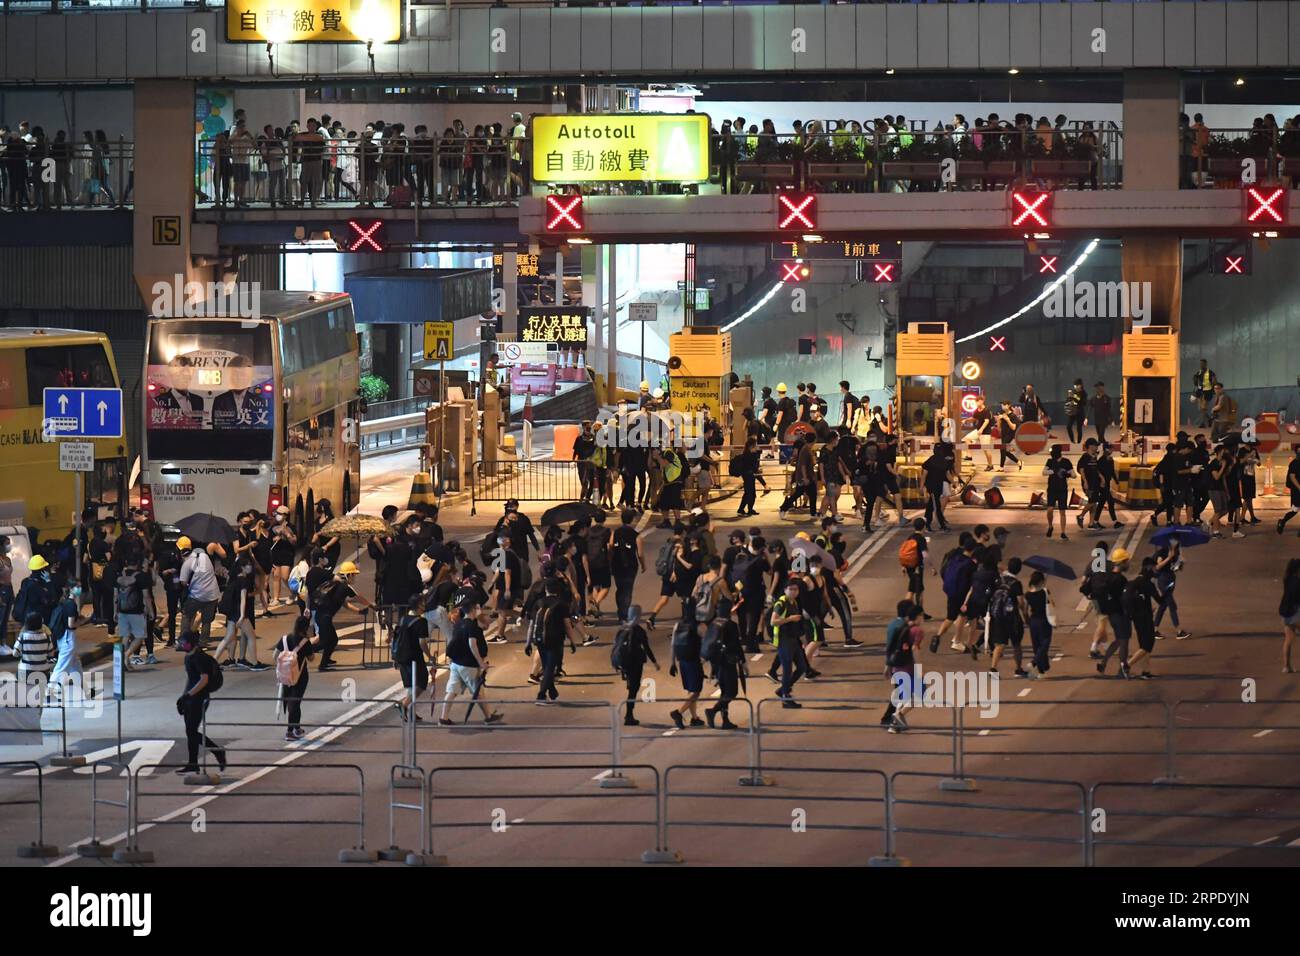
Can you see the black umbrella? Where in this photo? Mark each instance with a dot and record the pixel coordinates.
(206, 528)
(1050, 566)
(572, 511)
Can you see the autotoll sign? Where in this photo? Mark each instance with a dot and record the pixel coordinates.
(636, 147)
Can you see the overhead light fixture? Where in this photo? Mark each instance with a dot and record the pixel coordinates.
(579, 241)
(812, 237)
(1239, 81)
(1013, 71)
(889, 72)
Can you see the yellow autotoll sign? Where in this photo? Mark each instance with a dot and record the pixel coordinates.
(313, 21)
(438, 341)
(621, 147)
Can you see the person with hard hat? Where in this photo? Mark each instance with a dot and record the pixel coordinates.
(1107, 589)
(198, 581)
(643, 397)
(333, 596)
(787, 412)
(37, 594)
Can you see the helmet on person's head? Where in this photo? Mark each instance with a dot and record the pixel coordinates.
(183, 543)
(37, 563)
(780, 388)
(347, 569)
(1119, 556)
(658, 393)
(645, 386)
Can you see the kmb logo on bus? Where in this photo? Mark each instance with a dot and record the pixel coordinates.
(176, 491)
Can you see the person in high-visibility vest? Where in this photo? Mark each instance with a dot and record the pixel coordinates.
(1203, 380)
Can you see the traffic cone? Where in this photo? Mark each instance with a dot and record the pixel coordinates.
(970, 496)
(1037, 500)
(421, 491)
(528, 408)
(993, 498)
(1075, 498)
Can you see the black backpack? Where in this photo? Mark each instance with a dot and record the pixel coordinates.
(711, 645)
(130, 599)
(623, 556)
(740, 566)
(404, 650)
(215, 676)
(618, 654)
(1002, 606)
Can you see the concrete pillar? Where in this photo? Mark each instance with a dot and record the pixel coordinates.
(164, 188)
(611, 350)
(1152, 102)
(1157, 260)
(510, 290)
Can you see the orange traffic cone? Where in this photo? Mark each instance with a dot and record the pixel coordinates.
(1075, 498)
(970, 496)
(1037, 500)
(993, 498)
(528, 407)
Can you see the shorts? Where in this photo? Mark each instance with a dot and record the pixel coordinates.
(1146, 635)
(692, 673)
(1295, 499)
(833, 490)
(1293, 620)
(954, 608)
(889, 484)
(1219, 500)
(600, 577)
(132, 625)
(666, 587)
(1006, 635)
(505, 601)
(1059, 499)
(916, 579)
(1179, 496)
(241, 172)
(460, 678)
(421, 675)
(977, 611)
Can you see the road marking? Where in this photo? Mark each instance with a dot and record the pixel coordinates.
(1292, 843)
(755, 657)
(669, 733)
(877, 541)
(645, 520)
(982, 733)
(1262, 733)
(1024, 692)
(1270, 840)
(717, 693)
(602, 775)
(209, 793)
(1058, 657)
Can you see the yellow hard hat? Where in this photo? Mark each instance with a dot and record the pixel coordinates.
(645, 386)
(780, 386)
(347, 569)
(183, 543)
(1119, 555)
(37, 563)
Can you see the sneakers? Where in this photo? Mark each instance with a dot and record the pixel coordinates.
(934, 644)
(676, 715)
(1020, 672)
(850, 642)
(1182, 635)
(957, 646)
(446, 721)
(532, 679)
(243, 665)
(1238, 534)
(227, 665)
(791, 704)
(499, 639)
(137, 661)
(493, 717)
(258, 666)
(591, 639)
(1159, 636)
(151, 659)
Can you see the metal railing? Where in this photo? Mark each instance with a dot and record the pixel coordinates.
(382, 435)
(536, 480)
(1231, 158)
(37, 848)
(70, 174)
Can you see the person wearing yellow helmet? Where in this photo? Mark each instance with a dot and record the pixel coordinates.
(38, 593)
(1107, 587)
(197, 580)
(332, 597)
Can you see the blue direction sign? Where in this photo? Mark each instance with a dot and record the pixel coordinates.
(83, 412)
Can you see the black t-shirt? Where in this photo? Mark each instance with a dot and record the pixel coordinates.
(1107, 589)
(830, 466)
(1058, 474)
(1090, 472)
(555, 611)
(458, 648)
(1293, 476)
(198, 663)
(512, 570)
(141, 581)
(1037, 601)
(583, 447)
(1138, 596)
(622, 558)
(443, 593)
(332, 597)
(981, 587)
(313, 581)
(981, 419)
(936, 469)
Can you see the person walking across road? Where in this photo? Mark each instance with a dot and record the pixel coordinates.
(291, 657)
(198, 579)
(202, 679)
(628, 656)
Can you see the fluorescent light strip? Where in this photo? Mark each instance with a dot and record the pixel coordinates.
(754, 308)
(1047, 290)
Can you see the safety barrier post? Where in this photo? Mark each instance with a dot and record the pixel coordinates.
(38, 849)
(394, 853)
(958, 781)
(615, 780)
(755, 777)
(1171, 749)
(889, 859)
(93, 849)
(65, 759)
(130, 851)
(406, 778)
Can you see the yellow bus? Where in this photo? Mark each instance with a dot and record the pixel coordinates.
(33, 491)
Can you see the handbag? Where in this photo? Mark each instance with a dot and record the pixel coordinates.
(1051, 610)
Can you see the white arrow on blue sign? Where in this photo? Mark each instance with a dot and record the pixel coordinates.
(83, 412)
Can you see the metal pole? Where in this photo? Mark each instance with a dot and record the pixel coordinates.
(77, 548)
(643, 351)
(611, 342)
(442, 427)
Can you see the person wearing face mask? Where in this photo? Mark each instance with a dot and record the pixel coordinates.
(65, 619)
(37, 594)
(284, 541)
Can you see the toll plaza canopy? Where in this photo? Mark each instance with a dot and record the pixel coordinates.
(412, 296)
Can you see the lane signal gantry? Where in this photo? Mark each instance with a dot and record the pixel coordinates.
(796, 211)
(1031, 209)
(564, 214)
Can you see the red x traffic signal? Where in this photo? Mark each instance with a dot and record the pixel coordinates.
(884, 272)
(794, 272)
(1031, 209)
(366, 236)
(796, 211)
(564, 214)
(1265, 205)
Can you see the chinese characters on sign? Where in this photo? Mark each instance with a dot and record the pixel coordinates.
(320, 21)
(636, 147)
(565, 327)
(890, 250)
(525, 264)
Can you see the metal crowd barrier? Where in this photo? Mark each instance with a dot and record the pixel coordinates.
(94, 848)
(497, 820)
(61, 759)
(536, 480)
(950, 807)
(806, 822)
(753, 777)
(315, 730)
(603, 727)
(37, 849)
(1166, 810)
(354, 854)
(1249, 712)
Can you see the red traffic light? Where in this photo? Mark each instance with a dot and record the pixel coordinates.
(796, 210)
(366, 237)
(794, 272)
(564, 214)
(884, 272)
(1265, 205)
(1031, 208)
(1047, 264)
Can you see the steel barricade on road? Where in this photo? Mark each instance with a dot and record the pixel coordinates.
(811, 706)
(753, 777)
(948, 807)
(536, 480)
(1167, 805)
(799, 820)
(354, 854)
(498, 821)
(968, 738)
(93, 848)
(38, 849)
(1252, 732)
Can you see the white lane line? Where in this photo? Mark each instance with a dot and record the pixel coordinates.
(1262, 733)
(878, 541)
(755, 657)
(1293, 842)
(602, 775)
(213, 793)
(717, 693)
(669, 733)
(645, 520)
(983, 733)
(1024, 692)
(1058, 657)
(1270, 840)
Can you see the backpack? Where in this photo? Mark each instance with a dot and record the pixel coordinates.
(618, 654)
(623, 553)
(733, 466)
(703, 598)
(952, 573)
(664, 562)
(287, 666)
(215, 677)
(909, 554)
(403, 651)
(296, 577)
(130, 600)
(740, 567)
(682, 635)
(598, 547)
(711, 646)
(1002, 606)
(488, 548)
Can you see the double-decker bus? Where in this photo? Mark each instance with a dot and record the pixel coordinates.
(253, 412)
(33, 491)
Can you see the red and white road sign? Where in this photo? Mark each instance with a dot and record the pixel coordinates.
(1031, 438)
(1268, 435)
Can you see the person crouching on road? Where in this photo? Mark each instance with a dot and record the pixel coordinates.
(467, 655)
(333, 597)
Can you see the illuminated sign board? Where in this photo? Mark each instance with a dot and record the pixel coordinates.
(565, 327)
(621, 147)
(796, 210)
(313, 21)
(1265, 205)
(564, 214)
(845, 249)
(1031, 209)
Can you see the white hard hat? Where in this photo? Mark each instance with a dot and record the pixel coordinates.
(658, 393)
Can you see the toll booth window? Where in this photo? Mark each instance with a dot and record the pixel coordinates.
(66, 366)
(12, 393)
(921, 404)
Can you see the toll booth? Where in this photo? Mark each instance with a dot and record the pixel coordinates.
(739, 398)
(699, 370)
(450, 432)
(924, 366)
(1150, 391)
